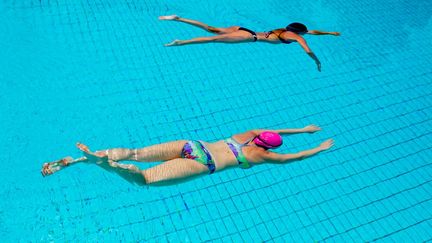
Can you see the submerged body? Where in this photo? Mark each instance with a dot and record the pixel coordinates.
(231, 152)
(237, 34)
(185, 159)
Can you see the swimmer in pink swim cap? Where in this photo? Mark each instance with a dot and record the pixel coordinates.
(186, 159)
(268, 140)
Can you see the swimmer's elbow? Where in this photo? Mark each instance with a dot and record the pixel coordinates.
(273, 158)
(305, 47)
(307, 50)
(293, 157)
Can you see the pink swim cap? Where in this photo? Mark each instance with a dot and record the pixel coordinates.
(268, 140)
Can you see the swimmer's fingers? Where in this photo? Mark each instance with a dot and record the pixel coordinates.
(319, 66)
(312, 128)
(336, 33)
(327, 144)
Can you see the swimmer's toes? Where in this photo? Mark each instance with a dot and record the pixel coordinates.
(46, 170)
(52, 167)
(101, 154)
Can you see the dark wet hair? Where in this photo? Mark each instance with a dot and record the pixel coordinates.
(297, 28)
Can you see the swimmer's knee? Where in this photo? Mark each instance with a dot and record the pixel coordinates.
(226, 38)
(118, 154)
(146, 177)
(214, 30)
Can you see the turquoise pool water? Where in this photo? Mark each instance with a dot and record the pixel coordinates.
(97, 72)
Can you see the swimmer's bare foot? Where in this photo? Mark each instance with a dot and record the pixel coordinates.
(98, 157)
(174, 43)
(169, 17)
(52, 167)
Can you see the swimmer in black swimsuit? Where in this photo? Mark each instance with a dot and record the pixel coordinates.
(236, 34)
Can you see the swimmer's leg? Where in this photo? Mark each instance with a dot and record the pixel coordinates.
(129, 172)
(201, 25)
(158, 152)
(168, 173)
(236, 37)
(173, 172)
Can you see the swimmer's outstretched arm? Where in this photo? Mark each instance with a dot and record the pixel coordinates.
(310, 129)
(305, 47)
(276, 158)
(318, 32)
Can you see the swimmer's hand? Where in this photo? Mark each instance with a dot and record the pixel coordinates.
(335, 33)
(315, 58)
(311, 128)
(326, 144)
(318, 66)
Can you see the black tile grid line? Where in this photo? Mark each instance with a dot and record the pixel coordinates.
(157, 86)
(430, 239)
(382, 217)
(346, 194)
(360, 114)
(406, 219)
(279, 98)
(237, 75)
(349, 194)
(380, 108)
(360, 102)
(402, 229)
(253, 83)
(354, 92)
(315, 187)
(273, 112)
(358, 207)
